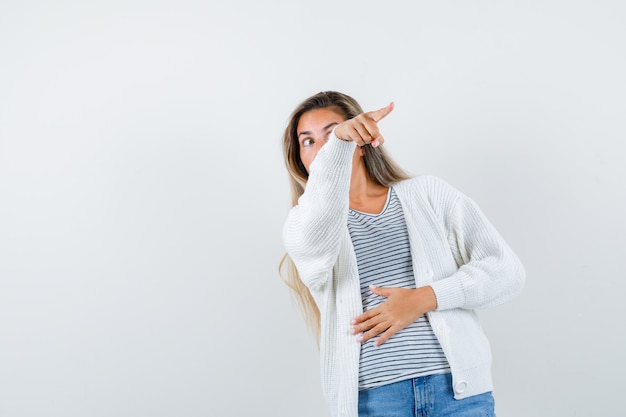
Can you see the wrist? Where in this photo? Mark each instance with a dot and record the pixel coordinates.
(427, 298)
(334, 133)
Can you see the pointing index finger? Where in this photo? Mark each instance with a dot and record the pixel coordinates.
(378, 115)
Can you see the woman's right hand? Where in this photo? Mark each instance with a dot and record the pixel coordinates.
(363, 129)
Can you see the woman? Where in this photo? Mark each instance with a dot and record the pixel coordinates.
(388, 270)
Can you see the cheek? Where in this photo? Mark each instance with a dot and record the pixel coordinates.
(307, 156)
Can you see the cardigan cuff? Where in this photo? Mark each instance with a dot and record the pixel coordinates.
(338, 149)
(449, 292)
(333, 161)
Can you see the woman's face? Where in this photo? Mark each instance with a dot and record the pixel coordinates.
(313, 130)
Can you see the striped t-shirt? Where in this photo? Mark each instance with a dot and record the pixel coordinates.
(381, 243)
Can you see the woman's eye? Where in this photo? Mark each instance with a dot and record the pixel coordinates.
(307, 142)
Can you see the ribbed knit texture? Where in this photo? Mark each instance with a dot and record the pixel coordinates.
(454, 249)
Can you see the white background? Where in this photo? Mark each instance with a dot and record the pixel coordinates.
(143, 192)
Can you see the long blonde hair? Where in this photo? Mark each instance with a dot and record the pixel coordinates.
(378, 165)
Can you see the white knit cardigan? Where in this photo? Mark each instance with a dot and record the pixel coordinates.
(454, 249)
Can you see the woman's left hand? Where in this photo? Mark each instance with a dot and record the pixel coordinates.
(402, 307)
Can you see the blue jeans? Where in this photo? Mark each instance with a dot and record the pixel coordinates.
(429, 396)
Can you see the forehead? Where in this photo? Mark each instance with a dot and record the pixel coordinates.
(319, 118)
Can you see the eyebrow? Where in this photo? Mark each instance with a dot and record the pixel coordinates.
(307, 132)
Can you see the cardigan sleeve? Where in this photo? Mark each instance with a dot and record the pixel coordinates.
(489, 272)
(314, 226)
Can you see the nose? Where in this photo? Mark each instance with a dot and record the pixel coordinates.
(321, 142)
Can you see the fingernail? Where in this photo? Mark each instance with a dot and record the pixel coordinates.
(373, 287)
